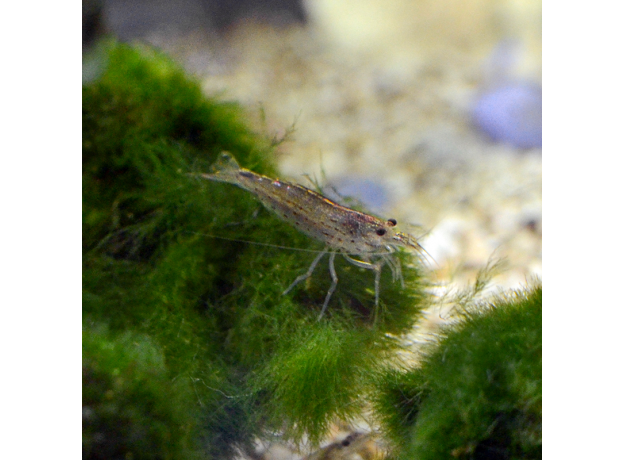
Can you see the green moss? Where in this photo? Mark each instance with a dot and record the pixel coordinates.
(144, 124)
(153, 265)
(478, 393)
(131, 409)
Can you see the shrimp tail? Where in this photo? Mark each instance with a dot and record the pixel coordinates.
(225, 164)
(225, 169)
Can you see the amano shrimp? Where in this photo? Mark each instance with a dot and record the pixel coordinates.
(343, 230)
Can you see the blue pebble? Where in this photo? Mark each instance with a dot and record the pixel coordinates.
(511, 114)
(367, 191)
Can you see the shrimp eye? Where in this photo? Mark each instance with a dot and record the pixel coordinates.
(392, 222)
(381, 231)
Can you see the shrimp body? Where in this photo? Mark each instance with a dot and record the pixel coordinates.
(343, 230)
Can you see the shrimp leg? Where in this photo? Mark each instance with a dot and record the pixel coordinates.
(369, 266)
(307, 274)
(332, 288)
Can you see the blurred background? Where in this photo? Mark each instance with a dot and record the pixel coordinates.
(427, 111)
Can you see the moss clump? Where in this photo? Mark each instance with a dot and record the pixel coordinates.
(144, 125)
(131, 409)
(478, 393)
(213, 307)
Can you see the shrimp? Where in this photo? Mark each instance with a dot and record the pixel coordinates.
(343, 230)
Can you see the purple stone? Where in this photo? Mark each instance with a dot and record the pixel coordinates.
(367, 191)
(511, 114)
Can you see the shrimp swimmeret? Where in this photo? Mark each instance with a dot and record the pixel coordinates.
(343, 230)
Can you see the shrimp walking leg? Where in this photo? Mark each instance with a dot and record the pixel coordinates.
(369, 266)
(395, 268)
(332, 288)
(307, 274)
